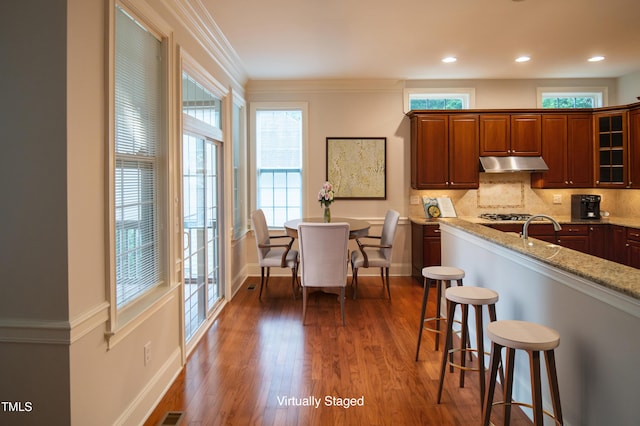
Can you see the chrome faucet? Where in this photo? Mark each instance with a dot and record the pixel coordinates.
(525, 227)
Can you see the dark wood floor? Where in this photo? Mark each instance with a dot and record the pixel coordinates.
(258, 356)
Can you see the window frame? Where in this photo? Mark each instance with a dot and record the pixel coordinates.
(254, 107)
(598, 93)
(122, 320)
(468, 95)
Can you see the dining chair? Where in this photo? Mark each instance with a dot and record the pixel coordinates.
(323, 258)
(376, 255)
(273, 255)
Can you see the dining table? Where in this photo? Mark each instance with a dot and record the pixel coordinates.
(357, 227)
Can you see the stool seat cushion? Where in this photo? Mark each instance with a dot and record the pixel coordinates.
(442, 273)
(470, 295)
(523, 335)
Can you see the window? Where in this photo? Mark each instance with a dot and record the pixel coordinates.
(139, 104)
(438, 99)
(279, 133)
(550, 97)
(239, 169)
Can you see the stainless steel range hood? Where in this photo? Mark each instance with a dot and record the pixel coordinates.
(512, 164)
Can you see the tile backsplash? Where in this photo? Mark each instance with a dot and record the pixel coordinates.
(512, 193)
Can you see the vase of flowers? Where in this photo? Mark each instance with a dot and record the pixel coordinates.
(325, 197)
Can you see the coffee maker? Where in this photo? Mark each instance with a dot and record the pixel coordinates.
(585, 206)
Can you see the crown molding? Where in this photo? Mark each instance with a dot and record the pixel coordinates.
(197, 20)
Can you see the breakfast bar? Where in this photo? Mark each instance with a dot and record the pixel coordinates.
(593, 303)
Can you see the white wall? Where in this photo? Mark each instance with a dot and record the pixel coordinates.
(629, 88)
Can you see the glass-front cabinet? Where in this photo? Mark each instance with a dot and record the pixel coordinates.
(611, 149)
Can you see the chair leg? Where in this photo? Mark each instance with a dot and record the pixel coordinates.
(552, 376)
(342, 303)
(451, 307)
(294, 277)
(304, 304)
(488, 397)
(425, 297)
(388, 288)
(508, 386)
(261, 281)
(536, 387)
(354, 280)
(480, 346)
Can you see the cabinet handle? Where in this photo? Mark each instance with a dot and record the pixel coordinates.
(566, 182)
(436, 231)
(571, 182)
(597, 182)
(627, 245)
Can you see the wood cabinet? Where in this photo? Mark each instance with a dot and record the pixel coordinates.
(567, 148)
(425, 248)
(575, 237)
(611, 149)
(598, 237)
(633, 247)
(618, 244)
(444, 151)
(634, 149)
(503, 135)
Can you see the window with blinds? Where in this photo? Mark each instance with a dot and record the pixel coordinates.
(139, 109)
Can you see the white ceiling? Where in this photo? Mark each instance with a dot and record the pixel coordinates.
(406, 39)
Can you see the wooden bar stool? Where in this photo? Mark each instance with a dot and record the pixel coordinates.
(533, 338)
(467, 296)
(439, 274)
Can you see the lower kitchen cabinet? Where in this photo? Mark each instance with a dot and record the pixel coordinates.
(598, 237)
(633, 247)
(425, 248)
(617, 251)
(575, 237)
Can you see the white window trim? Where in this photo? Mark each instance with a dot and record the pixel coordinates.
(469, 93)
(255, 106)
(601, 92)
(123, 321)
(238, 102)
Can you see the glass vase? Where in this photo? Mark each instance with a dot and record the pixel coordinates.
(327, 214)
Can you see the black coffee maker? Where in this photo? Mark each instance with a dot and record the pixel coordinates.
(584, 206)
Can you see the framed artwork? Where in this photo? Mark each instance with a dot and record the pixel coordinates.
(356, 167)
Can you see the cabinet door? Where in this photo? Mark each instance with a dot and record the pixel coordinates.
(429, 152)
(611, 148)
(633, 253)
(554, 152)
(463, 151)
(575, 242)
(617, 249)
(634, 149)
(580, 151)
(495, 131)
(526, 135)
(598, 240)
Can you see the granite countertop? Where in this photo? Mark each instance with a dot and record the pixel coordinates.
(612, 275)
(630, 222)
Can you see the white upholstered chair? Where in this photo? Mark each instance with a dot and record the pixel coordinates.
(376, 255)
(323, 258)
(271, 254)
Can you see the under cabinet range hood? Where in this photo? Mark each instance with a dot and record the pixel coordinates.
(512, 164)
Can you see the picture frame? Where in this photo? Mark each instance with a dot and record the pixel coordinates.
(356, 167)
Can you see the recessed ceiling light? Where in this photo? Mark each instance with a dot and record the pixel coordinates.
(596, 59)
(523, 59)
(449, 59)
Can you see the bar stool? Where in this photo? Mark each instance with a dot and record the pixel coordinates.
(440, 274)
(532, 338)
(467, 296)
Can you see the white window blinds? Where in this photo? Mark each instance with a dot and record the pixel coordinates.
(139, 106)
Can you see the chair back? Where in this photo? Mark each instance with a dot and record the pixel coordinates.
(261, 231)
(323, 254)
(389, 232)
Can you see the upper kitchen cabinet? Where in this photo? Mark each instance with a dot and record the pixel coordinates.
(444, 151)
(567, 148)
(505, 135)
(611, 149)
(634, 148)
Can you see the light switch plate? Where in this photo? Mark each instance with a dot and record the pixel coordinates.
(415, 199)
(557, 198)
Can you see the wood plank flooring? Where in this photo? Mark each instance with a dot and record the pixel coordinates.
(258, 365)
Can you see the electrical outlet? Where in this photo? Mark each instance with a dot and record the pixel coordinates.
(557, 198)
(415, 199)
(147, 353)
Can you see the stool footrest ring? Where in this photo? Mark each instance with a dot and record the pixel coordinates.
(465, 368)
(524, 404)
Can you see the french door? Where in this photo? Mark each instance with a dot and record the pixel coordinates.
(202, 260)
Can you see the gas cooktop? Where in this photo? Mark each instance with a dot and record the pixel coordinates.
(505, 216)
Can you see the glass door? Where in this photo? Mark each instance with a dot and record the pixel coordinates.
(202, 260)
